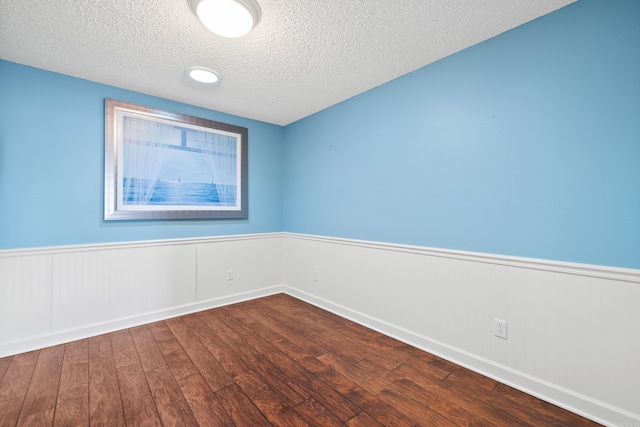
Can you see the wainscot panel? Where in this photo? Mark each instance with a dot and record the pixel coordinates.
(25, 296)
(54, 295)
(572, 328)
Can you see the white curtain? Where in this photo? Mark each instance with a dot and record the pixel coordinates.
(145, 146)
(221, 156)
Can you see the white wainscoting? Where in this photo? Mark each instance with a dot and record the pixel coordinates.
(25, 297)
(573, 330)
(54, 295)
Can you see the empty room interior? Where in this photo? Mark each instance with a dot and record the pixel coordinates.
(423, 194)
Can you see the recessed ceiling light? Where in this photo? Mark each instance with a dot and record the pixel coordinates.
(227, 18)
(203, 75)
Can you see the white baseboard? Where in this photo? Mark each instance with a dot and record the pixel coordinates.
(87, 331)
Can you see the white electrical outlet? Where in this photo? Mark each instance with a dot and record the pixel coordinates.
(316, 276)
(229, 275)
(500, 328)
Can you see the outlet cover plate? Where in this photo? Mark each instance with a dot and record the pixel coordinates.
(500, 328)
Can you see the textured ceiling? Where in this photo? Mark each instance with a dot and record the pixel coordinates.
(304, 55)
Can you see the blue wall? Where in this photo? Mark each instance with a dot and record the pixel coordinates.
(52, 165)
(527, 145)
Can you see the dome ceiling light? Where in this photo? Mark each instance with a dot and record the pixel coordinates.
(227, 18)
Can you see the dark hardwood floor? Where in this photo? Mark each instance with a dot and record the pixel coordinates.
(271, 361)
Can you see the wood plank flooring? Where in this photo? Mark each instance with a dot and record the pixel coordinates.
(270, 361)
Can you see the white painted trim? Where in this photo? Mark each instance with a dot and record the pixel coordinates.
(586, 270)
(68, 335)
(577, 403)
(576, 269)
(5, 253)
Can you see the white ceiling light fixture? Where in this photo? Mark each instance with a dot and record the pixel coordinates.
(203, 75)
(227, 18)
